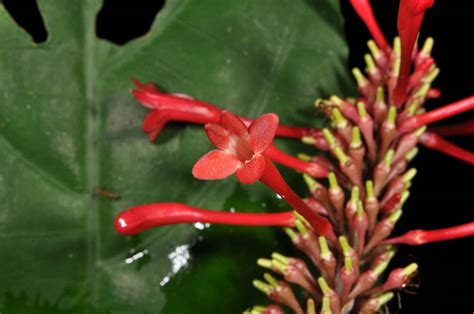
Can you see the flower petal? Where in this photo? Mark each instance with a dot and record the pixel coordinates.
(233, 124)
(153, 120)
(252, 170)
(148, 87)
(215, 165)
(218, 135)
(262, 131)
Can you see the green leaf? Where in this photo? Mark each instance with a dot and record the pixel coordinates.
(68, 126)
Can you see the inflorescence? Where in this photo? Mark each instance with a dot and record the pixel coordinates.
(344, 226)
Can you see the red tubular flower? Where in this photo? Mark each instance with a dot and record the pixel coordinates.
(414, 122)
(418, 237)
(463, 128)
(436, 142)
(410, 16)
(312, 168)
(175, 107)
(241, 150)
(140, 218)
(364, 10)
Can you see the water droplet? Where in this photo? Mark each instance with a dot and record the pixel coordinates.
(179, 259)
(135, 257)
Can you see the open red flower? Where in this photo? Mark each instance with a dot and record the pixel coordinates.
(240, 148)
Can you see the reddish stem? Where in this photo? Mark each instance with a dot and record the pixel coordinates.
(272, 178)
(444, 112)
(463, 128)
(289, 161)
(418, 237)
(364, 10)
(140, 218)
(436, 142)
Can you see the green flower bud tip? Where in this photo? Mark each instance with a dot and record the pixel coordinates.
(409, 175)
(427, 46)
(420, 131)
(329, 137)
(312, 184)
(346, 248)
(380, 268)
(404, 197)
(340, 155)
(348, 264)
(271, 280)
(360, 209)
(356, 140)
(256, 310)
(304, 157)
(380, 95)
(392, 115)
(407, 186)
(397, 45)
(332, 181)
(326, 309)
(389, 157)
(291, 234)
(310, 307)
(374, 50)
(369, 186)
(278, 265)
(299, 217)
(395, 216)
(263, 287)
(432, 74)
(413, 107)
(370, 62)
(308, 140)
(361, 109)
(396, 67)
(355, 194)
(336, 100)
(411, 154)
(318, 102)
(337, 116)
(324, 285)
(265, 263)
(301, 227)
(383, 299)
(324, 249)
(410, 269)
(361, 80)
(279, 257)
(423, 90)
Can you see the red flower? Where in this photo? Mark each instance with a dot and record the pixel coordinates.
(240, 148)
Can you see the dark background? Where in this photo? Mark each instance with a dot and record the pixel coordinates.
(443, 192)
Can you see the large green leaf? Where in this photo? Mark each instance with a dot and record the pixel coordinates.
(69, 125)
